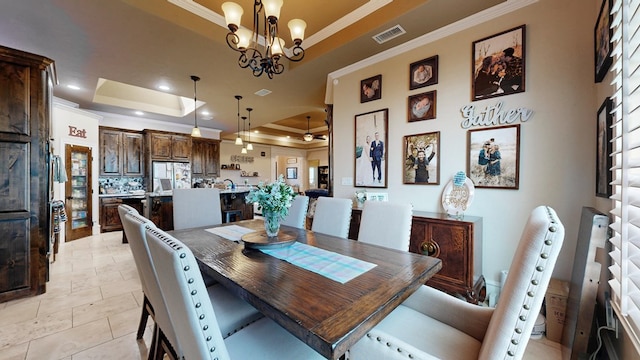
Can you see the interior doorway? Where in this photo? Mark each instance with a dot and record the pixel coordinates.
(312, 174)
(78, 192)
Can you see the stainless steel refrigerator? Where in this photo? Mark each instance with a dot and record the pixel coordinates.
(171, 175)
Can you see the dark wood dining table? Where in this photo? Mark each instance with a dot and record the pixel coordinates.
(328, 316)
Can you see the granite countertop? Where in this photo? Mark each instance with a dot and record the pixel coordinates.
(122, 195)
(222, 192)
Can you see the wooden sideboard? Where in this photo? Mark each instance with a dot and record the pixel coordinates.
(458, 243)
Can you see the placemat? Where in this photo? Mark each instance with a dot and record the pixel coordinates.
(337, 267)
(231, 232)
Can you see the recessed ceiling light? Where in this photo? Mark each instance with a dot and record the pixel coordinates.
(205, 113)
(139, 113)
(73, 87)
(164, 87)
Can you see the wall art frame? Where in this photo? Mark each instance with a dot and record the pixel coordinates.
(421, 165)
(423, 73)
(370, 158)
(603, 149)
(371, 89)
(602, 34)
(493, 157)
(422, 106)
(292, 173)
(498, 64)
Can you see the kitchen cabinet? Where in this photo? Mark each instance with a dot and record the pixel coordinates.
(109, 216)
(205, 158)
(26, 82)
(168, 146)
(121, 153)
(458, 243)
(161, 212)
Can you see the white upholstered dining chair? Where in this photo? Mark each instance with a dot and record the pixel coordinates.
(297, 216)
(196, 207)
(386, 224)
(433, 325)
(332, 216)
(234, 312)
(196, 322)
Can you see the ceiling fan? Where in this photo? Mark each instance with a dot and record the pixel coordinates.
(308, 136)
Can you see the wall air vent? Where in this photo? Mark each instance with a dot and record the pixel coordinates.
(389, 34)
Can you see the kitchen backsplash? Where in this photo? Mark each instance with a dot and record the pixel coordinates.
(121, 185)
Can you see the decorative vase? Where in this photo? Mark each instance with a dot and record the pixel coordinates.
(271, 223)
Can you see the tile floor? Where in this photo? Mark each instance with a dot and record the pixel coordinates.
(92, 307)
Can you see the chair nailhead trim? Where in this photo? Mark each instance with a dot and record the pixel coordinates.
(198, 305)
(369, 336)
(523, 318)
(183, 255)
(399, 350)
(534, 282)
(388, 344)
(206, 327)
(202, 317)
(526, 307)
(187, 268)
(547, 242)
(193, 292)
(544, 256)
(518, 331)
(530, 293)
(514, 341)
(539, 268)
(208, 338)
(190, 281)
(553, 228)
(510, 353)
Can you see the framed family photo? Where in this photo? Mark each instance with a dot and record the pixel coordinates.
(498, 66)
(494, 157)
(603, 160)
(371, 89)
(422, 106)
(292, 173)
(422, 159)
(602, 40)
(423, 73)
(370, 160)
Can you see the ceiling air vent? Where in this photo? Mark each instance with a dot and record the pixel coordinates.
(389, 34)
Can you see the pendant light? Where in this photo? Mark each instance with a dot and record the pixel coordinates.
(244, 149)
(308, 136)
(249, 145)
(196, 130)
(238, 139)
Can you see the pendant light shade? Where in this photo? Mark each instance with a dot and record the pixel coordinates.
(195, 132)
(249, 145)
(244, 121)
(238, 138)
(308, 136)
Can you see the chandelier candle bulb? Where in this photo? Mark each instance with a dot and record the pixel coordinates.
(232, 15)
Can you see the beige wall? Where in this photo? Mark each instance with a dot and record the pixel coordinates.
(557, 145)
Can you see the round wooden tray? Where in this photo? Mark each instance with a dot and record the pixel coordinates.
(260, 240)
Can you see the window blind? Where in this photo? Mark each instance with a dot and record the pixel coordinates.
(625, 241)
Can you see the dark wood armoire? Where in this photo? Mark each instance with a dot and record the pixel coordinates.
(26, 83)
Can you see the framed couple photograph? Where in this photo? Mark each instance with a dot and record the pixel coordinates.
(602, 40)
(423, 73)
(422, 106)
(371, 89)
(603, 149)
(421, 164)
(498, 64)
(493, 157)
(370, 160)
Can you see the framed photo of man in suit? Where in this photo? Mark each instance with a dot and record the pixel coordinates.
(370, 160)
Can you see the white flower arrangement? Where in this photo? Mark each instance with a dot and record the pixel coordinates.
(361, 196)
(273, 198)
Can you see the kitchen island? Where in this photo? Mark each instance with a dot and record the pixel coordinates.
(232, 203)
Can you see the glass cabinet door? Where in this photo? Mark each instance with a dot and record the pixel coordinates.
(78, 192)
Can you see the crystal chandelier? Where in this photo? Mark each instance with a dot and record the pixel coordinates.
(261, 48)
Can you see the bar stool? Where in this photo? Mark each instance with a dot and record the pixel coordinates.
(232, 215)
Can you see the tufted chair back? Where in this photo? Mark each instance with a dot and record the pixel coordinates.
(332, 216)
(523, 292)
(192, 315)
(386, 224)
(196, 207)
(431, 324)
(297, 212)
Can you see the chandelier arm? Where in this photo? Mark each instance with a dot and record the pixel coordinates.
(232, 41)
(297, 53)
